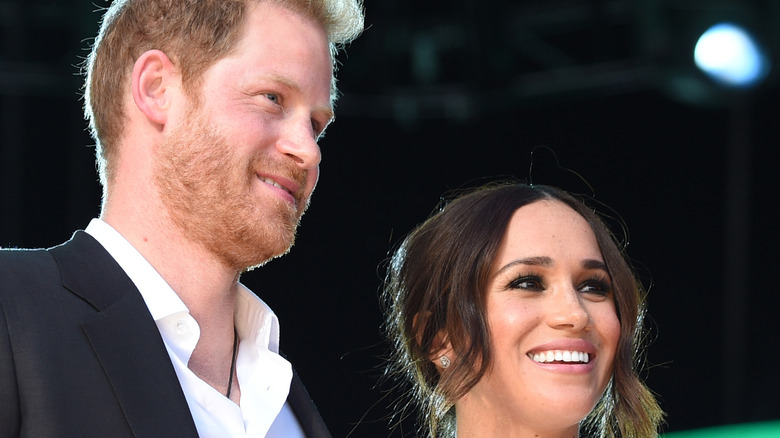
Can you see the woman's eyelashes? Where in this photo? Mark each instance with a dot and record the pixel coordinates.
(530, 282)
(596, 284)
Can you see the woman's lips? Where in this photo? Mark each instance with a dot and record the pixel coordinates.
(563, 351)
(560, 356)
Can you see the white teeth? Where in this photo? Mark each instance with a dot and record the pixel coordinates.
(273, 183)
(561, 356)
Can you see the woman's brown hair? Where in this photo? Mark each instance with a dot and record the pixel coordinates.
(436, 283)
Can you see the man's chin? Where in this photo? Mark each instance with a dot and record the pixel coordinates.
(261, 261)
(269, 249)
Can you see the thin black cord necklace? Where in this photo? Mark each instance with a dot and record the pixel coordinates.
(232, 362)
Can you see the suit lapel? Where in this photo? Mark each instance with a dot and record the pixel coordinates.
(128, 345)
(305, 410)
(126, 341)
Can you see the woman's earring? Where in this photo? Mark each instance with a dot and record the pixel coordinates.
(445, 362)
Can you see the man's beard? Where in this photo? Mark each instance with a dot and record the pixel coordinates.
(211, 196)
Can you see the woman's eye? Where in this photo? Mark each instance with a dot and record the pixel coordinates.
(527, 283)
(596, 287)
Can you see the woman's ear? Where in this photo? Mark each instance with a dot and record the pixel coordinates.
(442, 355)
(153, 79)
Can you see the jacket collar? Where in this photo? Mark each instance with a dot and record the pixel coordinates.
(128, 344)
(125, 340)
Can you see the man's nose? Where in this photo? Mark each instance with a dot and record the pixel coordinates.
(297, 142)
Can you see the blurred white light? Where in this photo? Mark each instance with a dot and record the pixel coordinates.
(728, 54)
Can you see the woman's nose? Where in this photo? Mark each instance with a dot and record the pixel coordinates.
(566, 310)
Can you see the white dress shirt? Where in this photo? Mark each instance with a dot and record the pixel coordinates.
(263, 375)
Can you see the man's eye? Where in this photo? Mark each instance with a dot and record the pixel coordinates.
(272, 97)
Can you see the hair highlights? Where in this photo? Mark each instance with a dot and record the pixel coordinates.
(436, 283)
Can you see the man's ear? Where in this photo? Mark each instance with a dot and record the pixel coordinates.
(152, 81)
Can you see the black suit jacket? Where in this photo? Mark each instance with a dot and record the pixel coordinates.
(81, 356)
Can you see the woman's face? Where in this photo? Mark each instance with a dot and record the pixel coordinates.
(553, 326)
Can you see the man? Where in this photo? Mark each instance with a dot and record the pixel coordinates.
(206, 115)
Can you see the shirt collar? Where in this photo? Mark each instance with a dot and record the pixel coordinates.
(254, 320)
(161, 300)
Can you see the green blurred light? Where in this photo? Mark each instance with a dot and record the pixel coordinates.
(769, 429)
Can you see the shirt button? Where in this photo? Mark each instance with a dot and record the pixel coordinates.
(181, 327)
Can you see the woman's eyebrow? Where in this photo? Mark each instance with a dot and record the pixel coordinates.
(547, 262)
(594, 264)
(531, 261)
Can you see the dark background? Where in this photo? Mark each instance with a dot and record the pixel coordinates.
(438, 95)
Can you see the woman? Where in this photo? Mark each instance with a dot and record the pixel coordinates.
(513, 312)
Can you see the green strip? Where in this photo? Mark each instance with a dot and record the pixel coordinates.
(770, 429)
